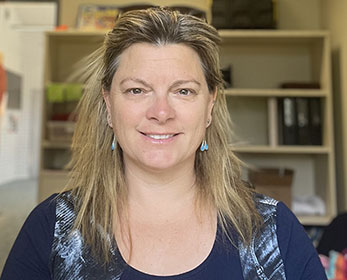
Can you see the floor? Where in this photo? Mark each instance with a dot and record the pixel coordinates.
(17, 199)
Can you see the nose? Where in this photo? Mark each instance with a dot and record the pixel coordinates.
(160, 109)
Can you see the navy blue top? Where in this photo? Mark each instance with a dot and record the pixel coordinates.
(30, 255)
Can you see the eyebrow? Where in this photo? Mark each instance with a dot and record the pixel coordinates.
(175, 84)
(181, 82)
(135, 80)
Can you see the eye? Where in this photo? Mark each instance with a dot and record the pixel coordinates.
(135, 91)
(184, 91)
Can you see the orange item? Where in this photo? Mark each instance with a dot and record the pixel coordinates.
(3, 82)
(62, 27)
(340, 267)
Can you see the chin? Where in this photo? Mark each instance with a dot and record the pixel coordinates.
(160, 162)
(160, 165)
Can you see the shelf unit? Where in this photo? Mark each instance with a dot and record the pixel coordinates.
(260, 60)
(63, 50)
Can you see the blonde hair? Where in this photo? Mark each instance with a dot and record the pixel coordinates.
(98, 173)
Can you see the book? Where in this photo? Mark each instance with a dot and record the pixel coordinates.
(302, 115)
(315, 121)
(287, 121)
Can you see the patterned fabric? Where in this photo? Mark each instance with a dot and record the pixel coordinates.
(71, 258)
(262, 259)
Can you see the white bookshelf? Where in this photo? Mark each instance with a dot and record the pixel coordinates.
(260, 61)
(63, 50)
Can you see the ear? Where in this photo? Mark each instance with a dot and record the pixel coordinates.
(211, 103)
(107, 99)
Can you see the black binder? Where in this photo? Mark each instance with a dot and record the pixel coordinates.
(302, 114)
(315, 120)
(287, 121)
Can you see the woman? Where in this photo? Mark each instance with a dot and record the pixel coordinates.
(157, 192)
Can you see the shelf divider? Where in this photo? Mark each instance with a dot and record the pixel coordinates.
(272, 121)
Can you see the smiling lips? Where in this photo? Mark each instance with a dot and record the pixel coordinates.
(160, 136)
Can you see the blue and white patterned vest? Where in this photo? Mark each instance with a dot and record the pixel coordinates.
(262, 259)
(71, 259)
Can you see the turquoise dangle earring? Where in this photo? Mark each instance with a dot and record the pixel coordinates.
(114, 143)
(204, 146)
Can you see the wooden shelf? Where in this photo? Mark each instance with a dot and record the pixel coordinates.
(251, 92)
(76, 32)
(282, 149)
(54, 172)
(294, 36)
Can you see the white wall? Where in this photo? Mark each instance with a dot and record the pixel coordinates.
(22, 44)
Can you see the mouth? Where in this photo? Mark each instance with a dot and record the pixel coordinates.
(161, 136)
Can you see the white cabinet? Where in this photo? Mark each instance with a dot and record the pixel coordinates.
(22, 27)
(63, 50)
(261, 61)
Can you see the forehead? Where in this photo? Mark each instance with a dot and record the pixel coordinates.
(153, 59)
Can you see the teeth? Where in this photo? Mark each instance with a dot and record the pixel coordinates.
(160, 137)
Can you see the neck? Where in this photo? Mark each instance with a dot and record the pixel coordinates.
(160, 193)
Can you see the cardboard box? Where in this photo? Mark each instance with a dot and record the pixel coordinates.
(273, 182)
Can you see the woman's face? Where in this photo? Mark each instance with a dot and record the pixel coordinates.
(159, 105)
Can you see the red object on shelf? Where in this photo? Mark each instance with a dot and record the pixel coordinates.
(62, 27)
(3, 81)
(60, 117)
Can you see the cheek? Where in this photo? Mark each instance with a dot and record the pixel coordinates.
(117, 116)
(124, 117)
(197, 121)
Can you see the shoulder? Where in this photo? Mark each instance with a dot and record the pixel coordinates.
(286, 225)
(300, 257)
(65, 212)
(39, 226)
(261, 258)
(289, 230)
(43, 213)
(29, 256)
(65, 202)
(281, 227)
(41, 222)
(46, 212)
(265, 205)
(268, 210)
(283, 216)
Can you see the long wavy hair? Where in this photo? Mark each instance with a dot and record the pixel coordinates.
(97, 173)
